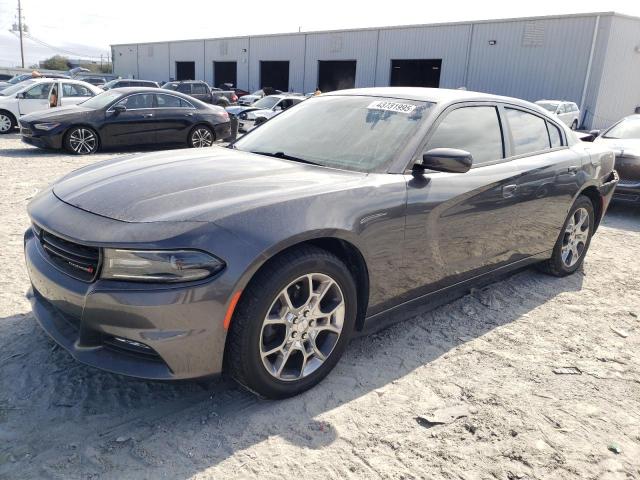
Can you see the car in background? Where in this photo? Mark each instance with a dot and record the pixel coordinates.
(568, 112)
(37, 94)
(333, 219)
(26, 76)
(127, 117)
(624, 139)
(129, 82)
(262, 110)
(202, 91)
(97, 81)
(246, 100)
(6, 76)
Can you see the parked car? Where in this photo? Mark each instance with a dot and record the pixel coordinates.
(333, 218)
(246, 100)
(28, 76)
(39, 94)
(97, 81)
(201, 91)
(568, 112)
(129, 82)
(6, 76)
(127, 117)
(263, 110)
(624, 139)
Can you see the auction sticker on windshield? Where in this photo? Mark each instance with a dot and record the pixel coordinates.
(391, 106)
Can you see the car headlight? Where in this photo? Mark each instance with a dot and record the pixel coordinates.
(45, 126)
(159, 265)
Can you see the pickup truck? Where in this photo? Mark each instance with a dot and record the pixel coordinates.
(201, 90)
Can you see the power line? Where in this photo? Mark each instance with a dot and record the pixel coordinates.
(59, 49)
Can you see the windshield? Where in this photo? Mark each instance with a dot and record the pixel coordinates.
(110, 84)
(170, 86)
(102, 100)
(19, 78)
(626, 129)
(266, 103)
(258, 93)
(7, 92)
(550, 106)
(348, 132)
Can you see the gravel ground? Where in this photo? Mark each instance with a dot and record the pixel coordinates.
(467, 391)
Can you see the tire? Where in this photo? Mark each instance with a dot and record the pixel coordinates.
(201, 136)
(7, 122)
(247, 357)
(564, 259)
(574, 125)
(81, 141)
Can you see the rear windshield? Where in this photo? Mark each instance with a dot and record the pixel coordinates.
(626, 129)
(550, 106)
(358, 133)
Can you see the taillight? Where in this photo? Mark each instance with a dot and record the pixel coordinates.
(234, 98)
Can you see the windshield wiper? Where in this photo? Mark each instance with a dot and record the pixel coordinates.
(285, 157)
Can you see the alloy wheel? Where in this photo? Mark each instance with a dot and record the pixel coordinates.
(201, 137)
(302, 327)
(82, 140)
(576, 235)
(5, 123)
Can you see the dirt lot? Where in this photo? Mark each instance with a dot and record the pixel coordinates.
(483, 366)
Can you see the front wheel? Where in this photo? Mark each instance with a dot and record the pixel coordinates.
(81, 141)
(573, 242)
(200, 137)
(292, 324)
(7, 122)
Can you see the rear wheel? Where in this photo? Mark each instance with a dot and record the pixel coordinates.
(573, 242)
(7, 122)
(81, 141)
(292, 324)
(201, 136)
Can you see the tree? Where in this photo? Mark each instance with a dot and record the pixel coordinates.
(57, 62)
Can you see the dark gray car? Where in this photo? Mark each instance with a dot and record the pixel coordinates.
(331, 219)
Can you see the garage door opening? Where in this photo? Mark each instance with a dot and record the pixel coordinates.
(336, 74)
(225, 72)
(185, 70)
(274, 74)
(415, 73)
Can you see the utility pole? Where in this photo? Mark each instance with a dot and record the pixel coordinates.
(20, 28)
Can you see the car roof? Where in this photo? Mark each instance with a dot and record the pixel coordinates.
(435, 95)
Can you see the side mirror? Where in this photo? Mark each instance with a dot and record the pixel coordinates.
(21, 95)
(449, 160)
(119, 109)
(594, 133)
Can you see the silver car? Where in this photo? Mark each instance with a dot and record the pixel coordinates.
(568, 112)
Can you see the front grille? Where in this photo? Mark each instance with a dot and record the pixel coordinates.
(79, 261)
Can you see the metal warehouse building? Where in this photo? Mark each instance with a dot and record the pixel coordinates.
(592, 59)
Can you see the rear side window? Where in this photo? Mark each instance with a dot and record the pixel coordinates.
(474, 129)
(199, 88)
(184, 88)
(529, 132)
(554, 135)
(75, 90)
(169, 101)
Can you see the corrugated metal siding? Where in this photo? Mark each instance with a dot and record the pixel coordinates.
(125, 60)
(531, 59)
(619, 89)
(448, 43)
(153, 62)
(359, 46)
(277, 47)
(228, 50)
(192, 51)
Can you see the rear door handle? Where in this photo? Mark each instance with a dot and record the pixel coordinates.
(188, 114)
(509, 190)
(147, 115)
(572, 169)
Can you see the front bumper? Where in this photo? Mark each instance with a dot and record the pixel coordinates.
(182, 325)
(627, 191)
(41, 139)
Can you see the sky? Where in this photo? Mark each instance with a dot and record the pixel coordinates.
(88, 27)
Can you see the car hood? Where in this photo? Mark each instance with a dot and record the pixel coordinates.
(194, 185)
(249, 98)
(238, 109)
(622, 147)
(57, 113)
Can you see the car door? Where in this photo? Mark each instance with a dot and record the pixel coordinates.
(132, 127)
(174, 118)
(73, 93)
(36, 98)
(202, 92)
(463, 225)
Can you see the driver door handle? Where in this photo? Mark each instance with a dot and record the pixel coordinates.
(188, 114)
(573, 169)
(509, 190)
(147, 115)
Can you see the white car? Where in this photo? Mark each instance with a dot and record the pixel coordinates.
(40, 94)
(568, 112)
(263, 110)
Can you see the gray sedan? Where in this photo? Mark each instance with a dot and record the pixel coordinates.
(353, 210)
